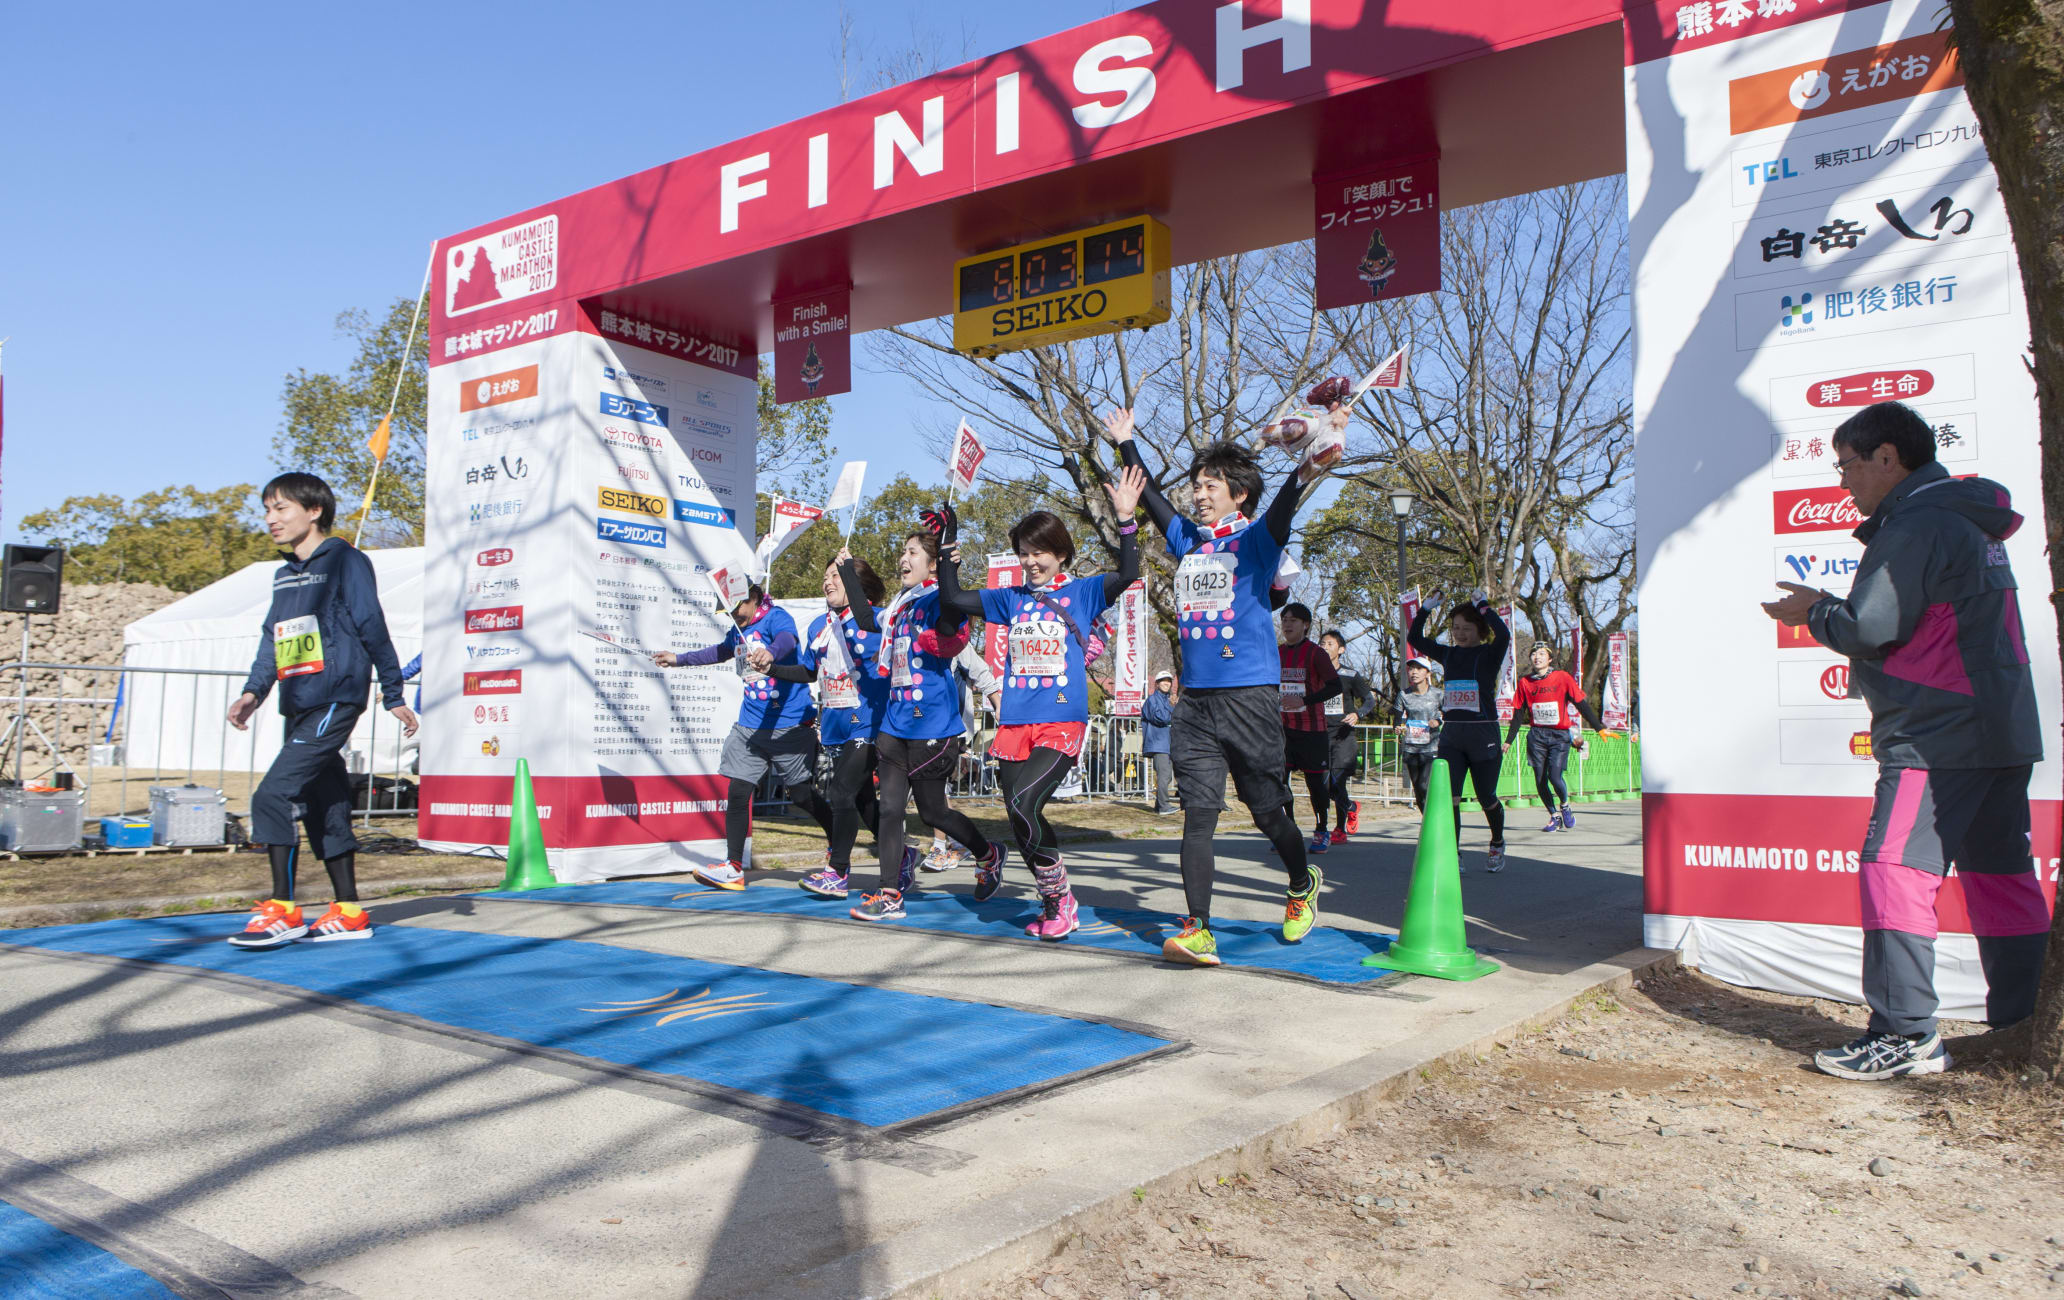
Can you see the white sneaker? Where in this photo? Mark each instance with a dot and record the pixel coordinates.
(1494, 860)
(723, 875)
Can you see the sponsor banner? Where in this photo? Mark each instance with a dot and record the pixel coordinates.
(1129, 652)
(686, 342)
(1817, 231)
(710, 516)
(506, 682)
(1618, 711)
(1377, 234)
(498, 389)
(1508, 676)
(630, 503)
(1814, 510)
(620, 530)
(618, 407)
(579, 811)
(498, 268)
(1784, 858)
(1004, 571)
(497, 618)
(813, 346)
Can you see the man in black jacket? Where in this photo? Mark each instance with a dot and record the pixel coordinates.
(322, 640)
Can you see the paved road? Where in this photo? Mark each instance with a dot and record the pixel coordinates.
(242, 1130)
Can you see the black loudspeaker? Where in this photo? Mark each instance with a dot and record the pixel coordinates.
(30, 577)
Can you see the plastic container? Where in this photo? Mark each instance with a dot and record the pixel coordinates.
(187, 814)
(126, 832)
(38, 820)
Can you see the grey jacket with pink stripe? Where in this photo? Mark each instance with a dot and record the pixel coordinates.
(1932, 628)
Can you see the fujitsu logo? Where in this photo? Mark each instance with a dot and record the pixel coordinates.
(1813, 510)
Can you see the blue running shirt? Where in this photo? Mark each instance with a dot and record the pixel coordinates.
(1222, 601)
(924, 700)
(848, 708)
(1044, 677)
(768, 702)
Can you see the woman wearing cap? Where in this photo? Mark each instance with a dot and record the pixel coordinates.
(1471, 663)
(1156, 714)
(1048, 621)
(1419, 713)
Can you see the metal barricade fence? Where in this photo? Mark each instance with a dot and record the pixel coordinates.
(1611, 771)
(118, 729)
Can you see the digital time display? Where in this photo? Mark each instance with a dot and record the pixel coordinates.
(1094, 281)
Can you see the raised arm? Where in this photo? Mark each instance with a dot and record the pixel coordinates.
(1417, 639)
(1119, 428)
(856, 599)
(1125, 499)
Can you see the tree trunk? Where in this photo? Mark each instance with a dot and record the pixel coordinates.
(2013, 59)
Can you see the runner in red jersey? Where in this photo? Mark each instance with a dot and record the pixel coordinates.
(1309, 680)
(1547, 700)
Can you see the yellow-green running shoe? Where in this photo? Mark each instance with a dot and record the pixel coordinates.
(1193, 947)
(1301, 912)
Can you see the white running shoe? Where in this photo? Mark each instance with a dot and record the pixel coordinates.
(1494, 860)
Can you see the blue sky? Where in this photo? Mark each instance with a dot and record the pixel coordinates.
(194, 194)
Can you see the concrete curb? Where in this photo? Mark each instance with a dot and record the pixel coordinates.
(1014, 1233)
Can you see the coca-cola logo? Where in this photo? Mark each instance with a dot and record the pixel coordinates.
(494, 555)
(500, 618)
(1834, 683)
(1814, 510)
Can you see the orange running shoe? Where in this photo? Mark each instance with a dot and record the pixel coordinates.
(342, 921)
(273, 922)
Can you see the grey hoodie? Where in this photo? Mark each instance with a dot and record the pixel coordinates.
(1932, 628)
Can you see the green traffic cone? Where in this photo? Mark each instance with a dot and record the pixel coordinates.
(1431, 940)
(528, 868)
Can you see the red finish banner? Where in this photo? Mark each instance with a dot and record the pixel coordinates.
(1004, 571)
(1783, 858)
(1377, 234)
(813, 346)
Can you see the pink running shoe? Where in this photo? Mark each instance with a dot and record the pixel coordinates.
(1057, 919)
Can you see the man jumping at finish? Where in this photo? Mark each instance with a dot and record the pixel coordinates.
(1343, 713)
(1229, 716)
(1308, 682)
(323, 638)
(1469, 710)
(772, 730)
(1543, 701)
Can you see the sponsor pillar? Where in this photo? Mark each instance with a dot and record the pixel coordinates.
(1814, 227)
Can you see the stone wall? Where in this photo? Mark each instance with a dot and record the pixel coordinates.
(87, 629)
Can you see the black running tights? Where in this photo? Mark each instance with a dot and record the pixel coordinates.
(851, 796)
(1417, 766)
(1027, 785)
(1317, 786)
(1482, 767)
(1199, 858)
(926, 786)
(738, 814)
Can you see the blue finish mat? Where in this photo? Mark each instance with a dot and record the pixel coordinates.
(872, 1056)
(39, 1262)
(1328, 955)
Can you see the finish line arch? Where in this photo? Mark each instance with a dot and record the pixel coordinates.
(592, 395)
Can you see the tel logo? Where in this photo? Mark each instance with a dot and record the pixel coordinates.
(493, 556)
(1834, 683)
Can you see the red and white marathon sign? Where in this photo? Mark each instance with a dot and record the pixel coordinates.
(1870, 387)
(1814, 510)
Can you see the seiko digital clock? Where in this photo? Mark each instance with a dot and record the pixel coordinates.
(1095, 281)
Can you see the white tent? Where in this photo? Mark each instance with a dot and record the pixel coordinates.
(177, 721)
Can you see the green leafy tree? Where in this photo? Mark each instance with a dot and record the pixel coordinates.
(326, 420)
(794, 448)
(178, 537)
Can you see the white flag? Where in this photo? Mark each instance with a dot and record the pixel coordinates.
(847, 491)
(791, 519)
(1391, 374)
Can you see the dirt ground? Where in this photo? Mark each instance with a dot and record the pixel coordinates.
(1670, 1143)
(50, 890)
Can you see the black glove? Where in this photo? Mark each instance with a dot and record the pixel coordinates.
(942, 523)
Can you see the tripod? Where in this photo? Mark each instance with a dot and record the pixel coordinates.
(18, 728)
